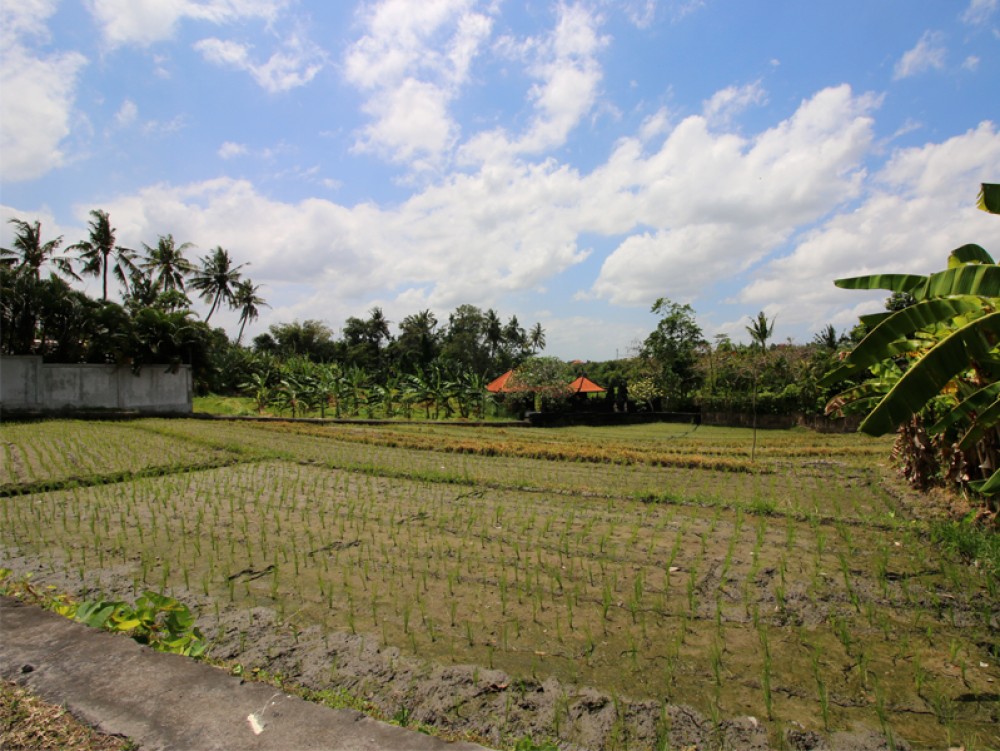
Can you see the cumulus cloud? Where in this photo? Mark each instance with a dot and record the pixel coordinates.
(38, 92)
(717, 203)
(568, 74)
(470, 238)
(144, 22)
(296, 64)
(919, 207)
(700, 207)
(928, 54)
(414, 59)
(723, 106)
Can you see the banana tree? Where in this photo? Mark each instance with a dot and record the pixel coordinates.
(935, 362)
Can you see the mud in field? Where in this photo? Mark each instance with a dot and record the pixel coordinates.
(464, 700)
(802, 610)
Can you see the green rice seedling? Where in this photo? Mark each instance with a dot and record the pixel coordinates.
(882, 714)
(821, 688)
(845, 569)
(863, 662)
(715, 659)
(692, 590)
(766, 672)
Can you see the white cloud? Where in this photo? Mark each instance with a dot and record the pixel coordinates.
(699, 208)
(725, 105)
(919, 207)
(928, 54)
(971, 63)
(144, 22)
(717, 203)
(641, 12)
(412, 120)
(295, 65)
(414, 58)
(229, 150)
(680, 9)
(589, 336)
(979, 11)
(126, 114)
(38, 93)
(566, 67)
(164, 127)
(469, 239)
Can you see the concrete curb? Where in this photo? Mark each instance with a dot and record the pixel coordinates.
(165, 701)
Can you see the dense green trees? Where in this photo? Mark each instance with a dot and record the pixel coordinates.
(672, 350)
(154, 322)
(372, 365)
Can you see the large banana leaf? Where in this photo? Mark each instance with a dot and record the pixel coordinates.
(891, 282)
(871, 320)
(973, 279)
(883, 340)
(970, 253)
(989, 198)
(931, 373)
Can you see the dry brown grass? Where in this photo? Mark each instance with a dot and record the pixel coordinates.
(27, 722)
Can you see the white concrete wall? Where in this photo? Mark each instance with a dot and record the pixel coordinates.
(19, 379)
(28, 384)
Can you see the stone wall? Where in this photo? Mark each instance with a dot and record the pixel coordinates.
(27, 384)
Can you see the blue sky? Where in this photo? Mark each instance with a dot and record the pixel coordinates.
(566, 162)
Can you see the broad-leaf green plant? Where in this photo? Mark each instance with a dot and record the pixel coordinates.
(935, 363)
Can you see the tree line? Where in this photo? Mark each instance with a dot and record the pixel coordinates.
(675, 368)
(928, 363)
(154, 320)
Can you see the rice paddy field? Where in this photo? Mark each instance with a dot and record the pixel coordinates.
(629, 587)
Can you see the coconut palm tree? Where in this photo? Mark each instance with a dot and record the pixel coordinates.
(248, 302)
(536, 337)
(418, 341)
(167, 264)
(760, 329)
(99, 252)
(216, 279)
(29, 253)
(493, 331)
(827, 338)
(23, 293)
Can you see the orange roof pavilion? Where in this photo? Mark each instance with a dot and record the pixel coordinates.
(584, 385)
(503, 385)
(499, 385)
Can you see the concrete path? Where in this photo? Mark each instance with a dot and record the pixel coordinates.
(164, 701)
